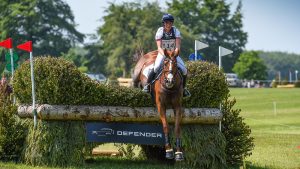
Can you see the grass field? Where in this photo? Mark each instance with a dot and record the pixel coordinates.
(276, 131)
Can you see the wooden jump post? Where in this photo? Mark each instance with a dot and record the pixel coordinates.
(127, 82)
(118, 114)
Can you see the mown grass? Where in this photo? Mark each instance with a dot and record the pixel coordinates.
(276, 131)
(104, 163)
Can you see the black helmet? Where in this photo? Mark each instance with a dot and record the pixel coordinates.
(167, 17)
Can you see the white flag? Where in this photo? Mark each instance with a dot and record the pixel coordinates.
(224, 51)
(199, 45)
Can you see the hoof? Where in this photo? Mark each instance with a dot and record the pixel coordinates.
(179, 156)
(170, 154)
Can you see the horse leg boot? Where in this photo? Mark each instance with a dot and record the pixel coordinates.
(178, 153)
(169, 150)
(186, 92)
(151, 76)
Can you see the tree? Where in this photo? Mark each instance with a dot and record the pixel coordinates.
(131, 27)
(127, 27)
(96, 60)
(211, 22)
(250, 66)
(48, 23)
(280, 62)
(77, 56)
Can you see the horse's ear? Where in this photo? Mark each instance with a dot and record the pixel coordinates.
(166, 52)
(171, 54)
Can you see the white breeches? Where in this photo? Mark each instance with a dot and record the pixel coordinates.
(159, 61)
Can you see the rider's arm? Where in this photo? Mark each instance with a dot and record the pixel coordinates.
(177, 49)
(160, 50)
(178, 41)
(158, 36)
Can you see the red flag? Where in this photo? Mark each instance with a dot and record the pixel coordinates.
(27, 46)
(7, 43)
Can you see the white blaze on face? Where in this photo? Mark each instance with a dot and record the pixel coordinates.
(170, 66)
(170, 75)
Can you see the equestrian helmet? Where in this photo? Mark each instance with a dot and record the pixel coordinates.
(167, 17)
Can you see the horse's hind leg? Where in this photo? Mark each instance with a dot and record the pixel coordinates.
(179, 153)
(162, 112)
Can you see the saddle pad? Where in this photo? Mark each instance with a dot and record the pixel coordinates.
(147, 70)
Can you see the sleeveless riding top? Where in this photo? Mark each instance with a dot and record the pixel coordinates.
(168, 39)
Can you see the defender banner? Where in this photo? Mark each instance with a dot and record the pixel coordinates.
(148, 134)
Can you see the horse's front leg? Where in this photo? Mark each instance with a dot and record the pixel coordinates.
(178, 114)
(162, 112)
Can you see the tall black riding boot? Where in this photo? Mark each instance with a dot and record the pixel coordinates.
(186, 92)
(151, 76)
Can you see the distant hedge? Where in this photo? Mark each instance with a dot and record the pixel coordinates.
(297, 84)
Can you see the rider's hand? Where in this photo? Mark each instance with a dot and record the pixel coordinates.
(176, 52)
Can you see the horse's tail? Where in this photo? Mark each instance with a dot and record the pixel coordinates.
(138, 68)
(142, 62)
(136, 76)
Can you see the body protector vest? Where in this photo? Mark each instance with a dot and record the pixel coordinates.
(168, 40)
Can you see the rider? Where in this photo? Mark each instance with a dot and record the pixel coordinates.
(167, 37)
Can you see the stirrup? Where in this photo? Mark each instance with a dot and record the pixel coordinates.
(186, 93)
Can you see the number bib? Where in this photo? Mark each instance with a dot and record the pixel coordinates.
(168, 44)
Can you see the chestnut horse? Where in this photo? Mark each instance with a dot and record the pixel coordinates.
(167, 91)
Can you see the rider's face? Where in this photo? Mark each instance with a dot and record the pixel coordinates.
(168, 25)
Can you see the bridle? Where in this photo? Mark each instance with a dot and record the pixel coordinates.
(169, 75)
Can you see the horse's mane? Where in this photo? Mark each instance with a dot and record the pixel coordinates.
(146, 59)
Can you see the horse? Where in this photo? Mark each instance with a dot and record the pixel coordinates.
(166, 91)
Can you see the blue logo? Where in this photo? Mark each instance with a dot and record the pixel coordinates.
(192, 57)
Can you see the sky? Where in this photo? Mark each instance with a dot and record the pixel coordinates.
(272, 25)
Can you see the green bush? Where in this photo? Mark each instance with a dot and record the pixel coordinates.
(56, 143)
(237, 133)
(207, 85)
(59, 82)
(12, 132)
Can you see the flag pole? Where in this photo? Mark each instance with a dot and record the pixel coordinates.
(220, 58)
(12, 69)
(11, 62)
(27, 46)
(33, 91)
(220, 122)
(195, 49)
